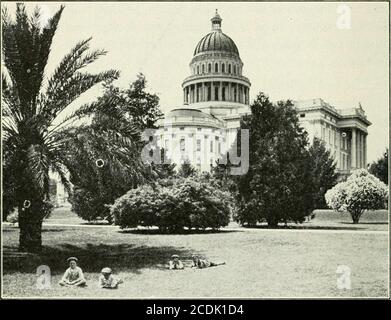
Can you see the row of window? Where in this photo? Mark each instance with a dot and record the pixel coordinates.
(182, 145)
(198, 129)
(199, 69)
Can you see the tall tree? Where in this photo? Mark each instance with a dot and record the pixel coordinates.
(323, 171)
(106, 155)
(379, 168)
(35, 130)
(186, 169)
(278, 186)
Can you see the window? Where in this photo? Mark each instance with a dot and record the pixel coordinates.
(203, 68)
(182, 128)
(223, 67)
(216, 93)
(210, 68)
(198, 69)
(223, 94)
(229, 68)
(234, 69)
(302, 115)
(182, 144)
(198, 144)
(211, 146)
(198, 129)
(216, 67)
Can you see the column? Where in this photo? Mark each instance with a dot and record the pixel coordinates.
(237, 93)
(365, 151)
(362, 151)
(220, 98)
(229, 91)
(359, 149)
(212, 88)
(203, 92)
(353, 150)
(184, 95)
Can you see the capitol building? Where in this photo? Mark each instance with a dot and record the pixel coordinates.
(216, 96)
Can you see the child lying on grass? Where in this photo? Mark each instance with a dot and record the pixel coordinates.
(202, 263)
(107, 280)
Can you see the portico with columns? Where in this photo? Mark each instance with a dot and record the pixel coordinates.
(344, 131)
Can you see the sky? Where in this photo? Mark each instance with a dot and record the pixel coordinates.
(289, 50)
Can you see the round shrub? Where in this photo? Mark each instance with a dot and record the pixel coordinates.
(361, 191)
(173, 205)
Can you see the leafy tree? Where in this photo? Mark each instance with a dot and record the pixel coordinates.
(114, 139)
(34, 128)
(380, 168)
(186, 169)
(278, 186)
(222, 173)
(323, 171)
(361, 191)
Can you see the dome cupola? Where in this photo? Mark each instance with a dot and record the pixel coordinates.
(216, 40)
(216, 84)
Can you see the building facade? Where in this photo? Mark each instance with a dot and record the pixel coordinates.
(344, 131)
(216, 96)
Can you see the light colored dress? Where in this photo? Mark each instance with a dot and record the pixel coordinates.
(73, 275)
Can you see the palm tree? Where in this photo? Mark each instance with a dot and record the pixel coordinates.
(35, 131)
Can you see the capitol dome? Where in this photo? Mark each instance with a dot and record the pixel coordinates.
(216, 41)
(216, 83)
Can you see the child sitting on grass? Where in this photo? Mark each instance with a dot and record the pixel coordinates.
(73, 276)
(175, 263)
(107, 280)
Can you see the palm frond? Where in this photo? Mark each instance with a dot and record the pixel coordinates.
(25, 51)
(76, 86)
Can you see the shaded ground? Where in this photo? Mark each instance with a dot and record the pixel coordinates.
(259, 263)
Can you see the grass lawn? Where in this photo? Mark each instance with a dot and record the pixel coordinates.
(259, 263)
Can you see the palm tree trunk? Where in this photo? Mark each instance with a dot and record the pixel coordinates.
(30, 226)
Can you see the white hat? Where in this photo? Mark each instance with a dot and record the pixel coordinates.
(106, 270)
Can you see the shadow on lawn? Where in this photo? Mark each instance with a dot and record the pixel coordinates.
(183, 232)
(303, 227)
(92, 258)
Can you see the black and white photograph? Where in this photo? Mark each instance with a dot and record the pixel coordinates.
(195, 150)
